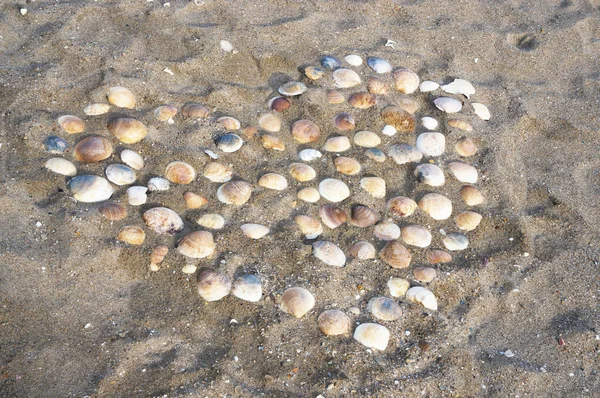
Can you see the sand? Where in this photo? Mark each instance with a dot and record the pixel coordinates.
(81, 315)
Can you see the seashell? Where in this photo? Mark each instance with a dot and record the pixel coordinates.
(372, 335)
(416, 235)
(279, 104)
(164, 113)
(297, 301)
(180, 173)
(157, 256)
(193, 200)
(90, 189)
(273, 181)
(249, 132)
(269, 141)
(308, 155)
(468, 220)
(96, 109)
(329, 253)
(291, 89)
(305, 131)
(329, 62)
(362, 100)
(132, 159)
(447, 104)
(379, 65)
(270, 123)
(460, 124)
(229, 123)
(121, 97)
(374, 186)
(302, 172)
(337, 144)
(401, 206)
(229, 143)
(313, 72)
(248, 288)
(132, 235)
(471, 195)
(217, 172)
(309, 194)
(344, 122)
(375, 154)
(366, 139)
(463, 172)
(197, 244)
(309, 226)
(455, 241)
(395, 255)
(119, 174)
(332, 216)
(212, 285)
(481, 110)
(363, 250)
(459, 86)
(431, 144)
(437, 206)
(195, 111)
(127, 129)
(92, 149)
(333, 323)
(55, 144)
(234, 192)
(386, 230)
(112, 211)
(423, 296)
(384, 309)
(353, 59)
(395, 116)
(136, 196)
(428, 86)
(389, 130)
(406, 80)
(465, 147)
(409, 104)
(71, 124)
(377, 86)
(429, 123)
(211, 221)
(335, 97)
(438, 257)
(363, 216)
(333, 190)
(163, 221)
(346, 78)
(347, 166)
(430, 174)
(398, 286)
(61, 166)
(254, 231)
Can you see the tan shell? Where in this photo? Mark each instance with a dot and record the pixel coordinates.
(460, 124)
(363, 216)
(362, 100)
(132, 235)
(334, 190)
(337, 144)
(406, 81)
(367, 139)
(249, 131)
(398, 286)
(377, 86)
(180, 173)
(234, 192)
(229, 123)
(61, 166)
(335, 97)
(309, 226)
(313, 72)
(96, 109)
(198, 244)
(279, 104)
(332, 216)
(269, 141)
(193, 200)
(463, 172)
(363, 250)
(344, 122)
(211, 221)
(395, 255)
(346, 78)
(212, 285)
(372, 335)
(374, 186)
(333, 323)
(132, 159)
(424, 274)
(437, 206)
(395, 116)
(71, 124)
(416, 235)
(302, 172)
(297, 301)
(273, 181)
(471, 195)
(127, 130)
(304, 131)
(195, 110)
(329, 253)
(401, 206)
(347, 165)
(217, 172)
(113, 211)
(468, 220)
(165, 112)
(157, 256)
(270, 123)
(438, 257)
(121, 97)
(309, 194)
(386, 230)
(163, 220)
(465, 147)
(92, 149)
(254, 231)
(384, 309)
(409, 104)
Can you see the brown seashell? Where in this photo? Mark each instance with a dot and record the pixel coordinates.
(471, 195)
(279, 104)
(335, 97)
(195, 110)
(377, 86)
(234, 192)
(180, 173)
(157, 256)
(249, 131)
(460, 124)
(468, 220)
(127, 130)
(113, 211)
(333, 323)
(297, 301)
(401, 206)
(193, 200)
(212, 285)
(395, 116)
(363, 216)
(424, 274)
(229, 123)
(409, 104)
(302, 172)
(92, 149)
(362, 100)
(165, 112)
(71, 124)
(198, 244)
(332, 216)
(344, 122)
(465, 147)
(132, 235)
(269, 141)
(395, 255)
(305, 131)
(121, 97)
(270, 123)
(347, 166)
(438, 257)
(406, 81)
(363, 250)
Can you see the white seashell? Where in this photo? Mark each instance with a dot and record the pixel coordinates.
(455, 241)
(447, 104)
(270, 122)
(132, 159)
(163, 220)
(431, 144)
(363, 250)
(367, 139)
(437, 206)
(379, 65)
(337, 144)
(463, 172)
(254, 231)
(61, 166)
(329, 253)
(309, 194)
(247, 287)
(389, 130)
(189, 269)
(297, 301)
(197, 244)
(211, 221)
(424, 274)
(308, 155)
(459, 86)
(398, 286)
(229, 143)
(234, 192)
(333, 190)
(404, 153)
(384, 309)
(430, 174)
(96, 109)
(90, 189)
(374, 185)
(386, 230)
(226, 46)
(217, 172)
(471, 195)
(423, 296)
(120, 174)
(429, 123)
(136, 196)
(428, 86)
(302, 172)
(481, 110)
(372, 335)
(416, 235)
(292, 88)
(309, 226)
(346, 78)
(353, 59)
(273, 181)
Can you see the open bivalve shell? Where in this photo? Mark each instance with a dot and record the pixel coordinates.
(297, 301)
(333, 323)
(372, 335)
(212, 285)
(329, 253)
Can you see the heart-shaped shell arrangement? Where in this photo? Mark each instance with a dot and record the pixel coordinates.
(398, 230)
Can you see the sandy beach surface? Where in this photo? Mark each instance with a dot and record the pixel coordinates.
(81, 314)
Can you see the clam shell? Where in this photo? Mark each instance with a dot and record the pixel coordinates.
(180, 173)
(406, 80)
(270, 123)
(471, 195)
(481, 110)
(309, 194)
(112, 211)
(163, 221)
(460, 124)
(132, 159)
(416, 235)
(211, 221)
(401, 206)
(344, 122)
(269, 141)
(90, 189)
(409, 104)
(193, 200)
(363, 216)
(132, 235)
(375, 186)
(197, 244)
(195, 111)
(459, 86)
(119, 174)
(127, 129)
(165, 113)
(398, 286)
(347, 165)
(375, 154)
(309, 226)
(229, 123)
(465, 147)
(438, 257)
(273, 181)
(136, 196)
(249, 132)
(229, 143)
(428, 86)
(335, 97)
(386, 230)
(337, 144)
(313, 72)
(372, 335)
(212, 285)
(430, 174)
(297, 301)
(217, 172)
(92, 149)
(61, 166)
(362, 100)
(424, 274)
(389, 130)
(353, 59)
(377, 86)
(291, 89)
(279, 104)
(379, 65)
(329, 253)
(395, 116)
(431, 144)
(71, 124)
(302, 172)
(96, 109)
(333, 323)
(333, 190)
(234, 192)
(332, 216)
(248, 288)
(384, 309)
(395, 255)
(447, 104)
(463, 172)
(423, 296)
(346, 78)
(363, 250)
(429, 123)
(329, 62)
(308, 155)
(468, 220)
(254, 231)
(121, 97)
(455, 241)
(366, 139)
(55, 144)
(305, 131)
(157, 256)
(437, 206)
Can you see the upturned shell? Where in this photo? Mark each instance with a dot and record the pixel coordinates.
(132, 235)
(423, 296)
(463, 172)
(329, 253)
(165, 112)
(127, 129)
(465, 147)
(471, 195)
(71, 124)
(333, 323)
(375, 186)
(309, 226)
(430, 174)
(212, 285)
(428, 86)
(455, 241)
(409, 104)
(302, 172)
(270, 123)
(386, 230)
(132, 159)
(416, 235)
(395, 116)
(384, 309)
(269, 141)
(157, 256)
(398, 286)
(333, 190)
(297, 301)
(96, 109)
(362, 100)
(377, 86)
(112, 211)
(375, 154)
(424, 274)
(309, 154)
(481, 110)
(158, 184)
(291, 89)
(279, 104)
(429, 123)
(313, 72)
(55, 144)
(438, 257)
(90, 189)
(363, 250)
(335, 97)
(346, 78)
(195, 111)
(431, 144)
(229, 123)
(406, 80)
(121, 97)
(363, 216)
(372, 335)
(180, 173)
(273, 181)
(305, 131)
(217, 172)
(460, 86)
(460, 124)
(229, 143)
(255, 231)
(344, 122)
(347, 165)
(379, 65)
(198, 244)
(395, 255)
(234, 192)
(330, 62)
(120, 174)
(437, 206)
(366, 139)
(136, 196)
(309, 194)
(353, 59)
(193, 200)
(401, 206)
(247, 287)
(447, 104)
(61, 166)
(163, 221)
(92, 149)
(337, 144)
(332, 216)
(211, 221)
(468, 220)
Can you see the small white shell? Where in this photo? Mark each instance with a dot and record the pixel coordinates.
(374, 185)
(254, 231)
(309, 194)
(398, 286)
(96, 109)
(372, 335)
(136, 196)
(132, 159)
(404, 153)
(337, 144)
(308, 155)
(455, 241)
(430, 174)
(386, 230)
(423, 296)
(447, 104)
(428, 86)
(61, 166)
(329, 253)
(481, 110)
(247, 287)
(437, 206)
(431, 144)
(346, 78)
(90, 189)
(363, 250)
(120, 174)
(459, 86)
(463, 172)
(389, 130)
(211, 221)
(379, 65)
(429, 123)
(416, 235)
(353, 59)
(333, 190)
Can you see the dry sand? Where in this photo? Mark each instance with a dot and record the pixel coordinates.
(149, 334)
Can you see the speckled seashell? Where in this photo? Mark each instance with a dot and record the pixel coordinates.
(54, 144)
(379, 65)
(366, 139)
(386, 230)
(302, 172)
(337, 144)
(120, 174)
(428, 86)
(269, 141)
(90, 189)
(180, 173)
(332, 216)
(375, 154)
(431, 144)
(429, 123)
(309, 154)
(132, 159)
(254, 231)
(279, 104)
(465, 147)
(344, 122)
(211, 221)
(96, 109)
(363, 216)
(304, 131)
(297, 301)
(248, 288)
(347, 165)
(229, 143)
(330, 62)
(353, 59)
(163, 221)
(471, 195)
(395, 255)
(309, 194)
(463, 172)
(212, 285)
(121, 97)
(92, 149)
(71, 124)
(193, 200)
(270, 123)
(329, 253)
(481, 110)
(377, 86)
(459, 86)
(423, 296)
(401, 206)
(291, 89)
(309, 226)
(384, 309)
(362, 100)
(234, 192)
(460, 124)
(395, 116)
(438, 257)
(375, 186)
(437, 206)
(127, 129)
(447, 104)
(424, 274)
(416, 235)
(363, 250)
(335, 97)
(334, 323)
(468, 220)
(229, 123)
(346, 78)
(132, 235)
(195, 111)
(197, 244)
(398, 287)
(333, 190)
(313, 72)
(406, 80)
(455, 241)
(372, 335)
(273, 181)
(157, 256)
(61, 166)
(165, 113)
(430, 174)
(136, 196)
(217, 172)
(409, 104)
(112, 211)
